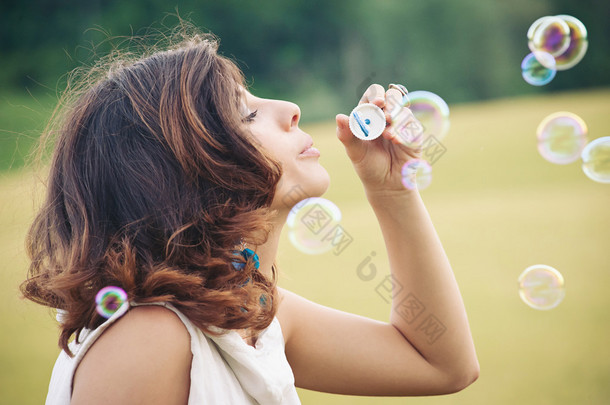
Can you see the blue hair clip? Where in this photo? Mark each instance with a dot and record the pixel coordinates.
(247, 254)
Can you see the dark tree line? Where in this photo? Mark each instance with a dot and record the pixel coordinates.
(318, 53)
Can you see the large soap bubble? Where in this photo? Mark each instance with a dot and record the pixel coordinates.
(596, 160)
(313, 225)
(431, 111)
(561, 137)
(541, 287)
(549, 34)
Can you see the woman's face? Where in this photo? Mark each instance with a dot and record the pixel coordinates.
(275, 124)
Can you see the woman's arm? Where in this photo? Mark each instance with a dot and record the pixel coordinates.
(143, 358)
(427, 347)
(427, 307)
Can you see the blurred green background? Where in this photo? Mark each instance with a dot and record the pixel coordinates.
(497, 205)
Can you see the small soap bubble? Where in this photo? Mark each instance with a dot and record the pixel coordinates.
(550, 35)
(561, 137)
(541, 287)
(416, 173)
(109, 299)
(431, 111)
(312, 225)
(538, 68)
(596, 160)
(577, 46)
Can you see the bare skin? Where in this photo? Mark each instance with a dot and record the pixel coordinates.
(328, 350)
(143, 358)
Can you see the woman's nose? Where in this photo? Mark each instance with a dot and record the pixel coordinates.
(293, 114)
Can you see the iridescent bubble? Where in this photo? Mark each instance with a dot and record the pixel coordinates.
(596, 160)
(109, 299)
(416, 173)
(537, 68)
(313, 225)
(561, 137)
(541, 287)
(578, 44)
(550, 35)
(432, 112)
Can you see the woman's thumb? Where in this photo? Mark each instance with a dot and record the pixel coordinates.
(353, 146)
(343, 132)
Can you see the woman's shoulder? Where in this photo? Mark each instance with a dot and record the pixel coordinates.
(146, 352)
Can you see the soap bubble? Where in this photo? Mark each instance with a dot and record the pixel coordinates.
(541, 287)
(563, 36)
(313, 225)
(431, 111)
(596, 160)
(550, 35)
(578, 44)
(561, 137)
(109, 299)
(538, 68)
(416, 173)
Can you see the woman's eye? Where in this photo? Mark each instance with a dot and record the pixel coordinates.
(250, 117)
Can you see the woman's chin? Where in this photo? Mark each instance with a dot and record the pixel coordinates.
(319, 183)
(314, 185)
(325, 184)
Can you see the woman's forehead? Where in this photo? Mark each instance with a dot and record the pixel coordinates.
(246, 97)
(245, 93)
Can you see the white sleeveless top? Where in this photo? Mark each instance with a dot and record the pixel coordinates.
(224, 369)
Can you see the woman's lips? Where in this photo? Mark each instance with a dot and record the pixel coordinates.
(311, 151)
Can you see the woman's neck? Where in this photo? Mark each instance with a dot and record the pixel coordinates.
(267, 251)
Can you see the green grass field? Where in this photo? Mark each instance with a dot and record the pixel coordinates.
(498, 208)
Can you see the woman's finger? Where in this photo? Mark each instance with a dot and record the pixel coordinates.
(394, 101)
(374, 94)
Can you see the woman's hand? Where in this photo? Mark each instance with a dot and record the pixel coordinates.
(378, 163)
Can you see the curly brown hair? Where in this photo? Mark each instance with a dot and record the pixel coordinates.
(154, 177)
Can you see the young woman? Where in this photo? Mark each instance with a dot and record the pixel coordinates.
(163, 170)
